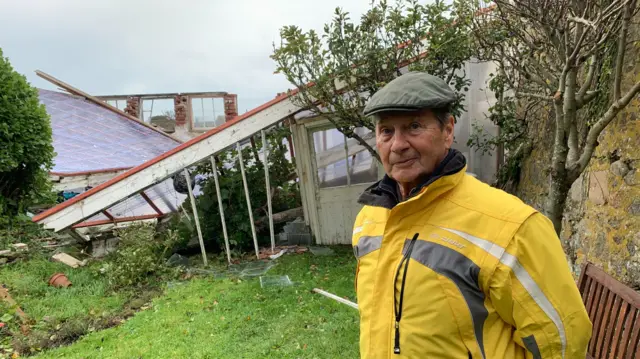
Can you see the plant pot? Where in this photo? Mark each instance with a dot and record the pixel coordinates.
(59, 280)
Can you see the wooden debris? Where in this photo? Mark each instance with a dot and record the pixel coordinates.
(68, 260)
(278, 255)
(20, 247)
(267, 253)
(54, 244)
(5, 252)
(4, 295)
(336, 298)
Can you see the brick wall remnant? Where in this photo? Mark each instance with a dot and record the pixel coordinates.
(180, 107)
(133, 107)
(230, 107)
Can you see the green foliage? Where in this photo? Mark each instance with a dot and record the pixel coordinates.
(20, 229)
(140, 257)
(26, 150)
(286, 194)
(512, 125)
(364, 57)
(510, 116)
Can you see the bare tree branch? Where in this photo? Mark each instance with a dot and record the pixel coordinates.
(578, 46)
(583, 21)
(592, 137)
(571, 40)
(622, 43)
(588, 81)
(533, 95)
(588, 97)
(613, 9)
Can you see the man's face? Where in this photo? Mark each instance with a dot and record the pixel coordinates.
(412, 144)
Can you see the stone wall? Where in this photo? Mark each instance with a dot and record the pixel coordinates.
(602, 218)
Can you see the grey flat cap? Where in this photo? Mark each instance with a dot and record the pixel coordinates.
(412, 91)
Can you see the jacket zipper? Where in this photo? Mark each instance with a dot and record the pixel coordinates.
(398, 306)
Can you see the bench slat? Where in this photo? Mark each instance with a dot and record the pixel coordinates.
(617, 336)
(611, 329)
(635, 337)
(594, 296)
(584, 285)
(599, 315)
(590, 291)
(604, 325)
(627, 333)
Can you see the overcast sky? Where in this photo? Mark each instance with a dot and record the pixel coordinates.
(107, 47)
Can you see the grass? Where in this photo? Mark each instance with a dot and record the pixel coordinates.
(27, 282)
(236, 318)
(58, 316)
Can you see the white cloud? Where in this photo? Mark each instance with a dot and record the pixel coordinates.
(118, 46)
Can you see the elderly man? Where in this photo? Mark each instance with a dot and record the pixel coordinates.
(449, 267)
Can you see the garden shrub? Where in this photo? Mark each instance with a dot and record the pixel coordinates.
(26, 150)
(141, 256)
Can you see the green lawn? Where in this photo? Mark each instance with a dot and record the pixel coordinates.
(231, 318)
(27, 282)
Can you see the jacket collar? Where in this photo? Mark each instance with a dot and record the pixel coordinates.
(385, 193)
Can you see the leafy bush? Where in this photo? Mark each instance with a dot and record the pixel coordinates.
(286, 194)
(26, 150)
(140, 256)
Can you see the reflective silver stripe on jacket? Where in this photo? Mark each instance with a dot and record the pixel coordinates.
(523, 277)
(461, 271)
(366, 245)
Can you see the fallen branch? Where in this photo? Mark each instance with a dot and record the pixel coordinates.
(4, 295)
(284, 216)
(335, 297)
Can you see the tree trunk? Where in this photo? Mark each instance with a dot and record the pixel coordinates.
(280, 217)
(558, 185)
(556, 200)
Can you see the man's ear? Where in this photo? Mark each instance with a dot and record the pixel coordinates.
(448, 131)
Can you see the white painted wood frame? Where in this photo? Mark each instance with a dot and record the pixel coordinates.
(194, 207)
(214, 168)
(265, 153)
(246, 194)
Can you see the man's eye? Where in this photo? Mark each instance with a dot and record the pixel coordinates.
(415, 126)
(385, 131)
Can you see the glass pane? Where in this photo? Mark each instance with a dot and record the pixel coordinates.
(330, 158)
(207, 112)
(155, 107)
(363, 167)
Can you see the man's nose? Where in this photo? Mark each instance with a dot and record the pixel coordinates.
(399, 142)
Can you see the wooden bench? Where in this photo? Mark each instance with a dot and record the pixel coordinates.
(614, 310)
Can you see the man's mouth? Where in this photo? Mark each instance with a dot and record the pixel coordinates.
(405, 163)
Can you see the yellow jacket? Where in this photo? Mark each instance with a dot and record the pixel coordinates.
(486, 275)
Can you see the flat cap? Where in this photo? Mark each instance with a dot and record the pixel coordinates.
(412, 91)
